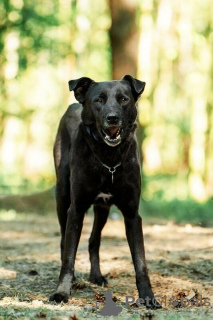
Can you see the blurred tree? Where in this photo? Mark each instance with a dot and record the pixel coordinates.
(124, 38)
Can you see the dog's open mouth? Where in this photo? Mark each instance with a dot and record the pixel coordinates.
(112, 135)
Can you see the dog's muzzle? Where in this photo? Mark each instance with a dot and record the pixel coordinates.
(112, 135)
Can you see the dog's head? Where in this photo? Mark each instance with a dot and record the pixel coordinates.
(109, 107)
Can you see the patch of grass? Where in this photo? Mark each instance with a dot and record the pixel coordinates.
(180, 212)
(26, 313)
(13, 313)
(188, 211)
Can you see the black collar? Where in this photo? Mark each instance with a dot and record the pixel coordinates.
(92, 134)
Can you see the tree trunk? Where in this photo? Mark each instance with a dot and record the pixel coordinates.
(124, 38)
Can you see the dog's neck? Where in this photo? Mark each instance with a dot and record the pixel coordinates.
(93, 134)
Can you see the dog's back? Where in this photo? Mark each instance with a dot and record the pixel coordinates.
(66, 132)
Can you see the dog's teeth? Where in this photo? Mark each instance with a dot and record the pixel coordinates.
(118, 137)
(113, 140)
(118, 132)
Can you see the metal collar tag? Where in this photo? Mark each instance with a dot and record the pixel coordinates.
(112, 169)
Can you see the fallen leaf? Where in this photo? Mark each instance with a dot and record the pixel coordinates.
(99, 297)
(111, 275)
(78, 285)
(190, 295)
(73, 317)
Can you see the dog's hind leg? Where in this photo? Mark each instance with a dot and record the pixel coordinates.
(101, 215)
(62, 204)
(61, 157)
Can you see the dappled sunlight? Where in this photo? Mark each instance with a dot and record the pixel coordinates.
(175, 60)
(38, 60)
(12, 44)
(178, 258)
(45, 51)
(167, 44)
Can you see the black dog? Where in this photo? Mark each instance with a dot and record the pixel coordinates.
(96, 161)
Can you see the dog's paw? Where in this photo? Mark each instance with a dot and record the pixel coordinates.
(148, 300)
(154, 304)
(99, 280)
(59, 297)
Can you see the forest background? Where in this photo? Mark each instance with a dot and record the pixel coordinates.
(167, 44)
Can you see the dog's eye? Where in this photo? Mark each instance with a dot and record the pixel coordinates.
(123, 99)
(99, 100)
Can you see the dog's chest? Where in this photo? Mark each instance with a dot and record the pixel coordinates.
(103, 197)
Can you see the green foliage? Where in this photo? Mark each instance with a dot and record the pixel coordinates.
(182, 212)
(176, 108)
(43, 44)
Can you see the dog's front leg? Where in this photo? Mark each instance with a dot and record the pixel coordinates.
(73, 233)
(134, 234)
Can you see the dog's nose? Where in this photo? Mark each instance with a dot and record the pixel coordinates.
(112, 118)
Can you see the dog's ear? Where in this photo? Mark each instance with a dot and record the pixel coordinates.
(80, 87)
(137, 86)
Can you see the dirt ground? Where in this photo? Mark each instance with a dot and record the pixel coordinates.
(179, 260)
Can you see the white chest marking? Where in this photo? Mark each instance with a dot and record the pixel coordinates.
(104, 196)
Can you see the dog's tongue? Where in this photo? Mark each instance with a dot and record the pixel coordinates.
(112, 130)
